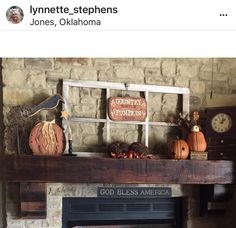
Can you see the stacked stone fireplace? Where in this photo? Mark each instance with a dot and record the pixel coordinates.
(59, 192)
(56, 192)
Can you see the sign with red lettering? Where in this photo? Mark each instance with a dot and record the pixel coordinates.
(127, 109)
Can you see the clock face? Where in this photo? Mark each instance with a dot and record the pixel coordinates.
(221, 123)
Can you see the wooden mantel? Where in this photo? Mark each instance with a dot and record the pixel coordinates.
(26, 168)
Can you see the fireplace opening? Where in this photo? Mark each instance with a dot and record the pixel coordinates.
(121, 212)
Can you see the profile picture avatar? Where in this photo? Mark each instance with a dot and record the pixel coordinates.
(15, 14)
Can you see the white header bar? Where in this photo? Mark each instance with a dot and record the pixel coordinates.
(118, 28)
(122, 15)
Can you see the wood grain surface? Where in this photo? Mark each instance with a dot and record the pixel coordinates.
(26, 168)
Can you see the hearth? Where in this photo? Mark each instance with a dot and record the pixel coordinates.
(121, 212)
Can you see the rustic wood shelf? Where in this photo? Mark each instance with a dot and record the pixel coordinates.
(26, 168)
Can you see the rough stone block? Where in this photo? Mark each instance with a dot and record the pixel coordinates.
(205, 75)
(188, 69)
(121, 61)
(169, 105)
(55, 75)
(85, 93)
(168, 68)
(61, 190)
(220, 100)
(36, 80)
(206, 64)
(84, 111)
(106, 75)
(147, 62)
(13, 63)
(13, 96)
(131, 136)
(87, 128)
(15, 223)
(73, 61)
(101, 63)
(15, 78)
(154, 102)
(217, 87)
(118, 138)
(97, 93)
(233, 82)
(181, 82)
(217, 76)
(73, 95)
(92, 140)
(197, 87)
(195, 100)
(84, 73)
(87, 100)
(226, 65)
(39, 63)
(153, 116)
(159, 81)
(132, 73)
(152, 72)
(170, 100)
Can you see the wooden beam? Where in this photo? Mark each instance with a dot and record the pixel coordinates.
(23, 168)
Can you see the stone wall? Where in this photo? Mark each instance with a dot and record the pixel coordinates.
(29, 81)
(1, 148)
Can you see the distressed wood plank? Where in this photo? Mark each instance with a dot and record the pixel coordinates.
(21, 168)
(33, 200)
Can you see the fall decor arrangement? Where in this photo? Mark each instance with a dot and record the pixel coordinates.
(123, 150)
(47, 138)
(195, 137)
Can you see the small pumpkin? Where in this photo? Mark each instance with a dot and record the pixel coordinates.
(47, 138)
(196, 140)
(179, 149)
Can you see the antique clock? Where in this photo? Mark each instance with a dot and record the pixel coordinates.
(220, 133)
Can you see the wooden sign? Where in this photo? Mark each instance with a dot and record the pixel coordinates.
(198, 155)
(127, 109)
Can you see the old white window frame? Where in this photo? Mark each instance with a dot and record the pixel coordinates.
(108, 86)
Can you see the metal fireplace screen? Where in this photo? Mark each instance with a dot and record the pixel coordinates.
(90, 211)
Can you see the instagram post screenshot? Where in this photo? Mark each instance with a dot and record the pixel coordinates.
(117, 114)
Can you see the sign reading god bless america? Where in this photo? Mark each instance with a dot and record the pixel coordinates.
(127, 109)
(139, 192)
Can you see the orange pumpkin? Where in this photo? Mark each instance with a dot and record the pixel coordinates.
(47, 138)
(196, 140)
(179, 149)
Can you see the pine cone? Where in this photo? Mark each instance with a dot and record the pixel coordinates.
(117, 149)
(139, 148)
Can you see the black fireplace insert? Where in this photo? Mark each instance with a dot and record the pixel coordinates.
(114, 212)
